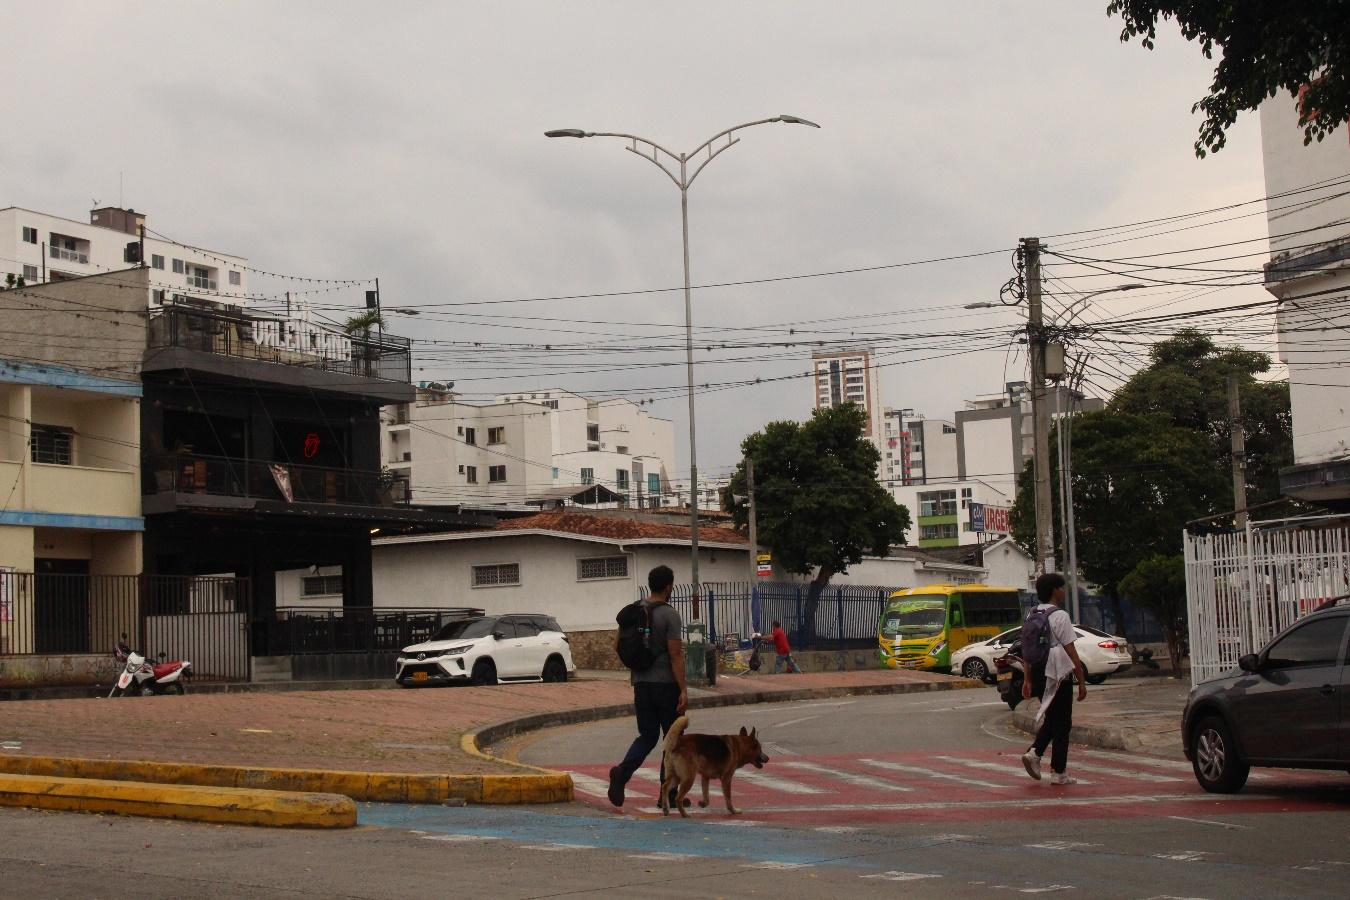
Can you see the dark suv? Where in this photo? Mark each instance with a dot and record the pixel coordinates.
(1287, 706)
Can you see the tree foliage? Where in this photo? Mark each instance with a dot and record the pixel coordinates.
(818, 504)
(1264, 46)
(1158, 584)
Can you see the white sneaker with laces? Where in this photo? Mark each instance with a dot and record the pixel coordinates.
(1032, 762)
(1062, 778)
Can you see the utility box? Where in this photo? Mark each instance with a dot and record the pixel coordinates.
(1054, 361)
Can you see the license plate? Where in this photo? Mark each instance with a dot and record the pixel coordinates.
(419, 676)
(1004, 676)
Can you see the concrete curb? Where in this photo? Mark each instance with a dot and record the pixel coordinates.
(1103, 737)
(277, 809)
(383, 787)
(536, 783)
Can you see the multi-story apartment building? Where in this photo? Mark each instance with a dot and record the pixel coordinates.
(527, 447)
(915, 449)
(1309, 272)
(941, 512)
(849, 376)
(39, 248)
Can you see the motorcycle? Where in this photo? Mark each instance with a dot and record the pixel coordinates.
(1011, 671)
(140, 678)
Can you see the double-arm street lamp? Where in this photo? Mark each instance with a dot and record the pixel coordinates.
(677, 168)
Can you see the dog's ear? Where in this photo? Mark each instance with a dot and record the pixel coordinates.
(743, 731)
(754, 731)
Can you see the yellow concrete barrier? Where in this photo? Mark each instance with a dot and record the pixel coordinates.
(233, 806)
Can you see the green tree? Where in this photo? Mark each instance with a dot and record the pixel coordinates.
(818, 504)
(1265, 46)
(1158, 584)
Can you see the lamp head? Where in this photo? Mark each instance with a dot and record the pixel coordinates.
(565, 132)
(794, 120)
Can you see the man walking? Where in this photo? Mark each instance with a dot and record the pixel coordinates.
(1047, 647)
(783, 649)
(660, 695)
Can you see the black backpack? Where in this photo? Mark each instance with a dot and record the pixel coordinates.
(1036, 638)
(634, 629)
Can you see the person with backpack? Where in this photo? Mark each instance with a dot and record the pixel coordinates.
(651, 645)
(1052, 662)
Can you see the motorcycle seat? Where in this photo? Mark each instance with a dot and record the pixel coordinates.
(167, 669)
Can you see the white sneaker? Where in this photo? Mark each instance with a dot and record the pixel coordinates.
(1032, 762)
(1062, 778)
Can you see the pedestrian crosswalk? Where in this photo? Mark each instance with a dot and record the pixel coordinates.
(953, 786)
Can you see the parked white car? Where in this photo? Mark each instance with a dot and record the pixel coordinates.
(489, 649)
(1102, 654)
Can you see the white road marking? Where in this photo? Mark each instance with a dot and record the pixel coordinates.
(1047, 889)
(1049, 800)
(588, 785)
(1125, 773)
(458, 838)
(928, 773)
(1211, 822)
(836, 829)
(1319, 865)
(775, 864)
(796, 706)
(793, 722)
(1062, 845)
(901, 876)
(950, 837)
(1002, 768)
(853, 778)
(1183, 855)
(1154, 762)
(742, 823)
(662, 857)
(777, 749)
(782, 785)
(557, 848)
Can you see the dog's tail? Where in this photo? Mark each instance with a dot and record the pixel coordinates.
(673, 735)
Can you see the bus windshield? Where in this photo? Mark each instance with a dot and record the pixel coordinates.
(915, 619)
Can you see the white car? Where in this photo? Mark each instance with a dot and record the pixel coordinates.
(489, 649)
(1102, 654)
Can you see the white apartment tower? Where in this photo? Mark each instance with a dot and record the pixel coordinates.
(848, 376)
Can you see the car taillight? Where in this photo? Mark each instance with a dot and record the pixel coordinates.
(1108, 645)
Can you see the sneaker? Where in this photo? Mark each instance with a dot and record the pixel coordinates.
(616, 786)
(1062, 778)
(1032, 762)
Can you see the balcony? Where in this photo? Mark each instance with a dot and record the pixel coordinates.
(251, 479)
(223, 330)
(81, 490)
(62, 253)
(201, 282)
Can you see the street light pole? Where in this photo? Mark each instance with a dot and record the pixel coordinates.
(653, 153)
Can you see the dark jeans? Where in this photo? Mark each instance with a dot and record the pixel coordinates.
(655, 707)
(1057, 722)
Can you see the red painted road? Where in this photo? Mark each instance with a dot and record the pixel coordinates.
(963, 786)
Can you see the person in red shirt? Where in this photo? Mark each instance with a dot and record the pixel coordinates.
(783, 650)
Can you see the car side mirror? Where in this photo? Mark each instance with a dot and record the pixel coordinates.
(498, 636)
(1250, 663)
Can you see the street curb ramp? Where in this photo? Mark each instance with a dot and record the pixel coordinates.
(223, 806)
(1102, 737)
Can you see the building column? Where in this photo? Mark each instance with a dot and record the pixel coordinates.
(358, 584)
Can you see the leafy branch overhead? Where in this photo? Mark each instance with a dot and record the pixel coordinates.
(1264, 47)
(364, 322)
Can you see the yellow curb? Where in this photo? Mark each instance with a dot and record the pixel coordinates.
(382, 787)
(278, 809)
(540, 786)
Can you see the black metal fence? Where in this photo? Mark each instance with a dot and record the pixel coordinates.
(300, 630)
(197, 473)
(843, 616)
(204, 620)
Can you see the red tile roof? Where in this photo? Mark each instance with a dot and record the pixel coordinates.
(617, 528)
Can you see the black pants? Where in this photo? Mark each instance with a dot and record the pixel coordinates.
(1057, 722)
(655, 705)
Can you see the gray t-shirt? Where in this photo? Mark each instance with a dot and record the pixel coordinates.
(665, 626)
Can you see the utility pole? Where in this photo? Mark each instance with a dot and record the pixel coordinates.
(1040, 413)
(754, 525)
(1239, 448)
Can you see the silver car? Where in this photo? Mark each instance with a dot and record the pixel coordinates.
(1287, 706)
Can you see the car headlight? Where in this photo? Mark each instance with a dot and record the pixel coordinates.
(938, 649)
(456, 651)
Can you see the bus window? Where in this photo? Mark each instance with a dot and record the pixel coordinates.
(996, 609)
(957, 621)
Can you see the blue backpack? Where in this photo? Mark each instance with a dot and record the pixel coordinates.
(1036, 638)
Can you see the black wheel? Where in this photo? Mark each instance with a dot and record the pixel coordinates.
(975, 668)
(1216, 764)
(484, 672)
(1096, 679)
(554, 670)
(176, 688)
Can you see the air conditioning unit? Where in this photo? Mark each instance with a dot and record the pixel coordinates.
(407, 456)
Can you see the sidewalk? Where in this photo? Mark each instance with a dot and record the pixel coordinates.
(392, 730)
(1138, 716)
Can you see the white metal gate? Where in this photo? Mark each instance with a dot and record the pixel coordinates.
(1244, 587)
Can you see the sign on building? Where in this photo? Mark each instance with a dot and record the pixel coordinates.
(986, 519)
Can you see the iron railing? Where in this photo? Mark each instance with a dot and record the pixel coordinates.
(230, 331)
(196, 473)
(204, 620)
(843, 617)
(300, 630)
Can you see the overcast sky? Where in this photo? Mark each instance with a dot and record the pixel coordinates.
(405, 140)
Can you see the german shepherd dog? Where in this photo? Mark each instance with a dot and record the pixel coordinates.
(708, 756)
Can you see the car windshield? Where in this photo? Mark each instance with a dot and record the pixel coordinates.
(1099, 633)
(466, 629)
(915, 619)
(1006, 637)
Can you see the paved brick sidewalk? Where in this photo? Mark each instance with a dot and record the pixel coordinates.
(382, 730)
(1142, 715)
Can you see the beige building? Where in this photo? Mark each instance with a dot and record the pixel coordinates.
(849, 376)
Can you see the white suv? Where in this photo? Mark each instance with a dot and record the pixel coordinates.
(488, 649)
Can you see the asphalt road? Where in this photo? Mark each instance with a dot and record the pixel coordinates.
(920, 795)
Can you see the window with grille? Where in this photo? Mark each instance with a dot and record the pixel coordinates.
(621, 479)
(588, 476)
(51, 445)
(30, 273)
(496, 473)
(602, 567)
(470, 436)
(178, 268)
(234, 278)
(321, 585)
(495, 575)
(471, 474)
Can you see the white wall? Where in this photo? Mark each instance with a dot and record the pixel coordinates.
(988, 446)
(1008, 565)
(898, 571)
